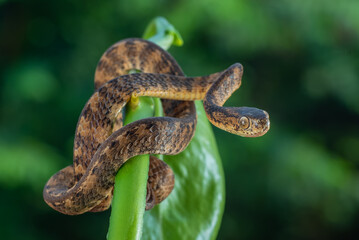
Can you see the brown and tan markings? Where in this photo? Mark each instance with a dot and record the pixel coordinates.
(102, 144)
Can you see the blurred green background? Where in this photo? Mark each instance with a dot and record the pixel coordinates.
(301, 62)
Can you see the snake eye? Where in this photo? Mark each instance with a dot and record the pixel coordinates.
(244, 122)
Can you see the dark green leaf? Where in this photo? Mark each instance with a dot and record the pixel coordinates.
(194, 209)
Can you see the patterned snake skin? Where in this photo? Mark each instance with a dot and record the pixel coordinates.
(102, 144)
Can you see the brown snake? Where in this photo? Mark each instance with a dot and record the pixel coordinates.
(102, 144)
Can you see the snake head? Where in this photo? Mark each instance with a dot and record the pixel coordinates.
(242, 121)
(251, 122)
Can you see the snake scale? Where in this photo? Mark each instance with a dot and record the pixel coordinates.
(102, 144)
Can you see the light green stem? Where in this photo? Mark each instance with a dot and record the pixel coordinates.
(129, 197)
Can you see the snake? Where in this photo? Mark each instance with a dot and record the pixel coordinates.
(102, 144)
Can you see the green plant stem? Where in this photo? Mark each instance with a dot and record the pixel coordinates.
(129, 197)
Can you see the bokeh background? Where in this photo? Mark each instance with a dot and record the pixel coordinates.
(301, 61)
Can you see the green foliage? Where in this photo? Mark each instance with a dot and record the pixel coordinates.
(195, 207)
(161, 32)
(18, 158)
(315, 179)
(32, 82)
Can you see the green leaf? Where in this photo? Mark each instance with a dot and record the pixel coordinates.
(161, 32)
(194, 209)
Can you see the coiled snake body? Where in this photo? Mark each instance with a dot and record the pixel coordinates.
(102, 144)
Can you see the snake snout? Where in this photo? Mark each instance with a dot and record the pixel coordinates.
(263, 123)
(267, 119)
